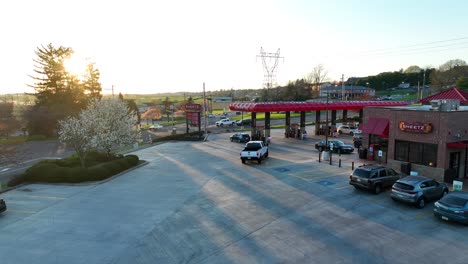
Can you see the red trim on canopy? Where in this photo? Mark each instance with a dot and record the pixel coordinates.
(309, 106)
(376, 126)
(459, 144)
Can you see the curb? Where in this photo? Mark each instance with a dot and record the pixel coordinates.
(143, 163)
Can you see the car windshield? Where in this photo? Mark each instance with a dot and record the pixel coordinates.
(403, 186)
(452, 200)
(361, 173)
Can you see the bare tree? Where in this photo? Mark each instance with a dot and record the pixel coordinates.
(316, 78)
(451, 64)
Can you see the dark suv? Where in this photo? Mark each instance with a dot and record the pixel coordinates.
(373, 177)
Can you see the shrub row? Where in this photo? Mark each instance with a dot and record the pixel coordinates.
(51, 171)
(192, 136)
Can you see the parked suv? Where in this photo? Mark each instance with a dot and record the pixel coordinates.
(349, 130)
(373, 177)
(418, 190)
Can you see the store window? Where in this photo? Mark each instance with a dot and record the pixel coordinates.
(415, 152)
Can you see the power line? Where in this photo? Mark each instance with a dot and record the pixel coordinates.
(415, 45)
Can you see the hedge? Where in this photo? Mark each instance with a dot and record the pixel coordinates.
(56, 171)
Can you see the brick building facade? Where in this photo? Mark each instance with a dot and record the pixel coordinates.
(432, 142)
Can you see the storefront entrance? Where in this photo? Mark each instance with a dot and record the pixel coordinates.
(454, 162)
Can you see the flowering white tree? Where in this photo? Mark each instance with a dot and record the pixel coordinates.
(112, 124)
(104, 124)
(77, 132)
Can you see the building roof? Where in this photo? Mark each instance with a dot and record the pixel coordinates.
(452, 93)
(309, 106)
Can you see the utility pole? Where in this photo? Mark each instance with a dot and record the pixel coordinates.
(204, 109)
(424, 81)
(342, 87)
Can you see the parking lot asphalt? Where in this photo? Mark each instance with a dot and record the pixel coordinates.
(194, 202)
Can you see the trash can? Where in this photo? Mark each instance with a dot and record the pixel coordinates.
(406, 168)
(362, 153)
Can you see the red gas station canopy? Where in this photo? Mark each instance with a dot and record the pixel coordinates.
(309, 106)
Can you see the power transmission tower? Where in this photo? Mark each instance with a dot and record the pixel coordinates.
(269, 67)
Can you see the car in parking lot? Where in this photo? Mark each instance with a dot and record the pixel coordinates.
(418, 190)
(3, 206)
(240, 137)
(348, 130)
(338, 146)
(453, 207)
(373, 177)
(244, 122)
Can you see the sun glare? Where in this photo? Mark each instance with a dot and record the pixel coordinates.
(75, 66)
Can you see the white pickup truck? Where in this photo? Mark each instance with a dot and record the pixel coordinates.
(254, 150)
(225, 122)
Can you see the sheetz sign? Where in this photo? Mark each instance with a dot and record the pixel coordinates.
(415, 127)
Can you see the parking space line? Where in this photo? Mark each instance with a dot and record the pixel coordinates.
(38, 196)
(21, 211)
(343, 187)
(377, 199)
(423, 214)
(309, 179)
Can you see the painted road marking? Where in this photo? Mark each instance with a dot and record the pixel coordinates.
(21, 211)
(377, 199)
(38, 196)
(343, 187)
(423, 214)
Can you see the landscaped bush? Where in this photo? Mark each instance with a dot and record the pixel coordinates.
(69, 170)
(132, 159)
(192, 136)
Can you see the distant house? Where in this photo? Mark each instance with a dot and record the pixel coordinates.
(350, 92)
(404, 85)
(223, 99)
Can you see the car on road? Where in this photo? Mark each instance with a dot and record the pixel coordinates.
(453, 207)
(240, 137)
(244, 122)
(373, 177)
(225, 122)
(155, 127)
(348, 130)
(337, 146)
(418, 190)
(3, 206)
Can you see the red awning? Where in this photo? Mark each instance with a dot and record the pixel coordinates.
(376, 126)
(459, 144)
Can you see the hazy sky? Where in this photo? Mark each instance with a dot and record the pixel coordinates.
(166, 46)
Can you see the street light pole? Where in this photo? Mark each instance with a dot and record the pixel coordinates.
(327, 128)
